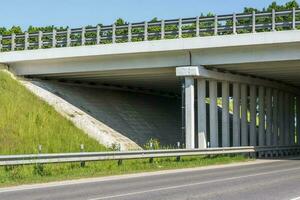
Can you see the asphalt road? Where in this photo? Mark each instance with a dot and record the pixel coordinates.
(259, 180)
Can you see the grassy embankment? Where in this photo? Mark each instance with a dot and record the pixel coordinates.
(27, 122)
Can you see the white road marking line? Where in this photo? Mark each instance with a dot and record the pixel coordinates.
(194, 184)
(296, 198)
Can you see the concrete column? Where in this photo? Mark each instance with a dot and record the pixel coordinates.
(244, 123)
(253, 135)
(268, 116)
(292, 119)
(189, 113)
(261, 100)
(275, 118)
(213, 111)
(202, 114)
(298, 119)
(286, 131)
(281, 118)
(225, 114)
(236, 115)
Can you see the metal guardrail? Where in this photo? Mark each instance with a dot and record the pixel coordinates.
(154, 30)
(119, 155)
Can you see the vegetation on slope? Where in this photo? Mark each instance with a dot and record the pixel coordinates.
(27, 122)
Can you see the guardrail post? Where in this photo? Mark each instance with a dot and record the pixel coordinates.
(40, 40)
(234, 23)
(54, 38)
(13, 41)
(145, 31)
(98, 34)
(113, 33)
(216, 25)
(197, 26)
(129, 32)
(180, 28)
(40, 148)
(26, 38)
(83, 36)
(162, 31)
(253, 21)
(151, 148)
(178, 147)
(1, 46)
(82, 164)
(294, 19)
(273, 20)
(68, 37)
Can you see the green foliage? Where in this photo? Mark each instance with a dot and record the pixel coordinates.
(27, 122)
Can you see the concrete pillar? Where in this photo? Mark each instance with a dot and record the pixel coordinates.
(253, 135)
(281, 118)
(286, 131)
(261, 100)
(236, 114)
(213, 111)
(189, 113)
(244, 123)
(275, 118)
(292, 119)
(298, 119)
(202, 114)
(268, 116)
(225, 114)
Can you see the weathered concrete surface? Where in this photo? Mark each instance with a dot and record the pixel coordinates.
(113, 116)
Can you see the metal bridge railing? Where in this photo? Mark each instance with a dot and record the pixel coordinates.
(6, 160)
(155, 30)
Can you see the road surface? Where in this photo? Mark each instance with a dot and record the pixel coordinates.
(254, 180)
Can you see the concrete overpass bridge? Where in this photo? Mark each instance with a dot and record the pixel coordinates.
(238, 75)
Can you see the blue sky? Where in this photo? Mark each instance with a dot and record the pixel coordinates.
(76, 13)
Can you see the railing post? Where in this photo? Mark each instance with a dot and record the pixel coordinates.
(253, 21)
(180, 28)
(83, 36)
(98, 37)
(197, 26)
(294, 19)
(13, 41)
(234, 23)
(26, 37)
(114, 33)
(53, 38)
(68, 37)
(273, 20)
(216, 25)
(162, 31)
(146, 31)
(40, 43)
(129, 32)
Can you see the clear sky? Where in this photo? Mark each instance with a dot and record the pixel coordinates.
(76, 13)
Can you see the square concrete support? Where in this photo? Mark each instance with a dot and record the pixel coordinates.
(213, 112)
(225, 114)
(281, 118)
(275, 118)
(261, 129)
(268, 116)
(244, 123)
(253, 129)
(189, 113)
(298, 118)
(202, 114)
(286, 131)
(292, 119)
(236, 115)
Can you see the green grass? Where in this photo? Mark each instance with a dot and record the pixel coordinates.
(27, 122)
(55, 172)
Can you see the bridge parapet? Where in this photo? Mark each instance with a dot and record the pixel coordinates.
(155, 30)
